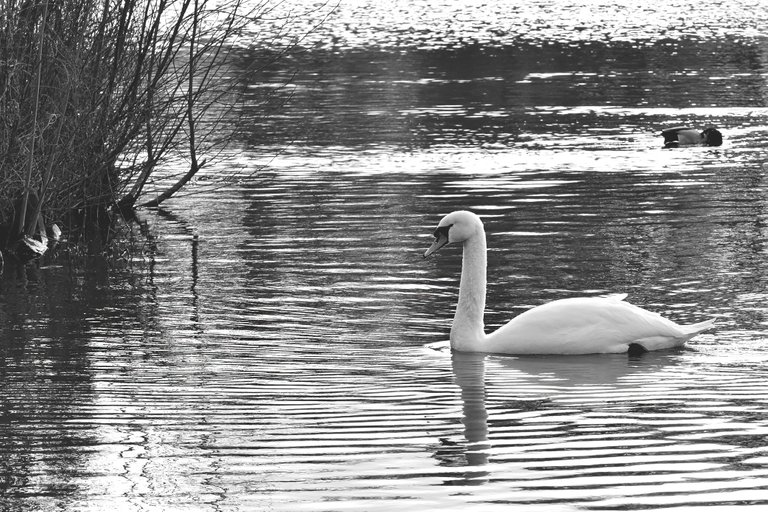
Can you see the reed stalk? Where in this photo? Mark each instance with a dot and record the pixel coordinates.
(22, 214)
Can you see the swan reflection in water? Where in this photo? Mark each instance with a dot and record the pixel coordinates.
(469, 375)
(540, 377)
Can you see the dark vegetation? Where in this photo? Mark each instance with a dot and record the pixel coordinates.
(96, 94)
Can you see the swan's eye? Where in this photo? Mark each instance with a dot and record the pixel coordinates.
(442, 231)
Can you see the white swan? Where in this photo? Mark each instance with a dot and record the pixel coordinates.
(585, 325)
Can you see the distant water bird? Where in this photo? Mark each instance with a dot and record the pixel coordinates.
(29, 248)
(585, 325)
(687, 136)
(54, 235)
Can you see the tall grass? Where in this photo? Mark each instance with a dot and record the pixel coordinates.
(94, 94)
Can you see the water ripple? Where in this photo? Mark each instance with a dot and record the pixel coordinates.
(445, 23)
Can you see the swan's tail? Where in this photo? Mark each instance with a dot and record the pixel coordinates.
(694, 329)
(663, 342)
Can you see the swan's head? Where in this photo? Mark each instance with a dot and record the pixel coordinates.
(455, 227)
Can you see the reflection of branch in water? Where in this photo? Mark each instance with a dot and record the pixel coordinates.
(183, 225)
(469, 374)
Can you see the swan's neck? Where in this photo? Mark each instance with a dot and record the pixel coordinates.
(468, 330)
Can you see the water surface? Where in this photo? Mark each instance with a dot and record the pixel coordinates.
(268, 342)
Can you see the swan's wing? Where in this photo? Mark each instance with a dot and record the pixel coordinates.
(586, 325)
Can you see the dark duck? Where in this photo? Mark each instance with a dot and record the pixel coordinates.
(687, 136)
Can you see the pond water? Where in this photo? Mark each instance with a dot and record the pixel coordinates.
(268, 342)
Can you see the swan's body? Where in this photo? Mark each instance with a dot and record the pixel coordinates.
(585, 325)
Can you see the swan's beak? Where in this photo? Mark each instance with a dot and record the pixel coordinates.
(440, 240)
